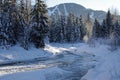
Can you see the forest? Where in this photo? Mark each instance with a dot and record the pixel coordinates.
(27, 24)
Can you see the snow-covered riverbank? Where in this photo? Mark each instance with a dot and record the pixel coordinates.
(66, 62)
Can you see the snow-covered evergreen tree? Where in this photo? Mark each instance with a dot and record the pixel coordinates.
(104, 32)
(114, 37)
(108, 23)
(22, 8)
(63, 25)
(115, 31)
(69, 28)
(1, 26)
(8, 19)
(24, 33)
(52, 30)
(77, 33)
(55, 30)
(39, 23)
(82, 28)
(96, 29)
(1, 4)
(58, 34)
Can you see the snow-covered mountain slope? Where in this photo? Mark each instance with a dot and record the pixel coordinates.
(76, 9)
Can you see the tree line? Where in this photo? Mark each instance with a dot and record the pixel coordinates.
(26, 24)
(22, 23)
(67, 29)
(74, 29)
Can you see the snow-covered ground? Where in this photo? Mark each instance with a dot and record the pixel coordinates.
(107, 67)
(75, 61)
(17, 53)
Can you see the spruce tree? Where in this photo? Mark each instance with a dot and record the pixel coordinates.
(39, 24)
(104, 32)
(77, 33)
(115, 32)
(96, 29)
(52, 31)
(1, 4)
(58, 34)
(22, 8)
(8, 30)
(82, 28)
(63, 25)
(1, 27)
(24, 27)
(108, 23)
(69, 28)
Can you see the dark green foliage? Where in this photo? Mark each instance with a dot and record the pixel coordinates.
(67, 29)
(26, 27)
(97, 29)
(15, 28)
(39, 24)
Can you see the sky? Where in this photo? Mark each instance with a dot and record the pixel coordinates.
(93, 4)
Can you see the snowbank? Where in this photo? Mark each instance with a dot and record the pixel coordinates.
(17, 53)
(107, 66)
(106, 63)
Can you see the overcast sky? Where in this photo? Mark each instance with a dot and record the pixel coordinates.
(93, 4)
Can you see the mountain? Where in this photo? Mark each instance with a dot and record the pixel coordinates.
(77, 10)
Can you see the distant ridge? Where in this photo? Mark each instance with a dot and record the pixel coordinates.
(76, 9)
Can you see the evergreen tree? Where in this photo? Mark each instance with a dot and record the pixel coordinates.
(108, 23)
(69, 33)
(113, 37)
(115, 32)
(77, 33)
(11, 19)
(79, 29)
(82, 28)
(104, 29)
(1, 26)
(39, 24)
(8, 19)
(58, 28)
(1, 4)
(22, 8)
(24, 33)
(96, 29)
(52, 31)
(63, 25)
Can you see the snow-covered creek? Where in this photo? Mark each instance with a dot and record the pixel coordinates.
(73, 66)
